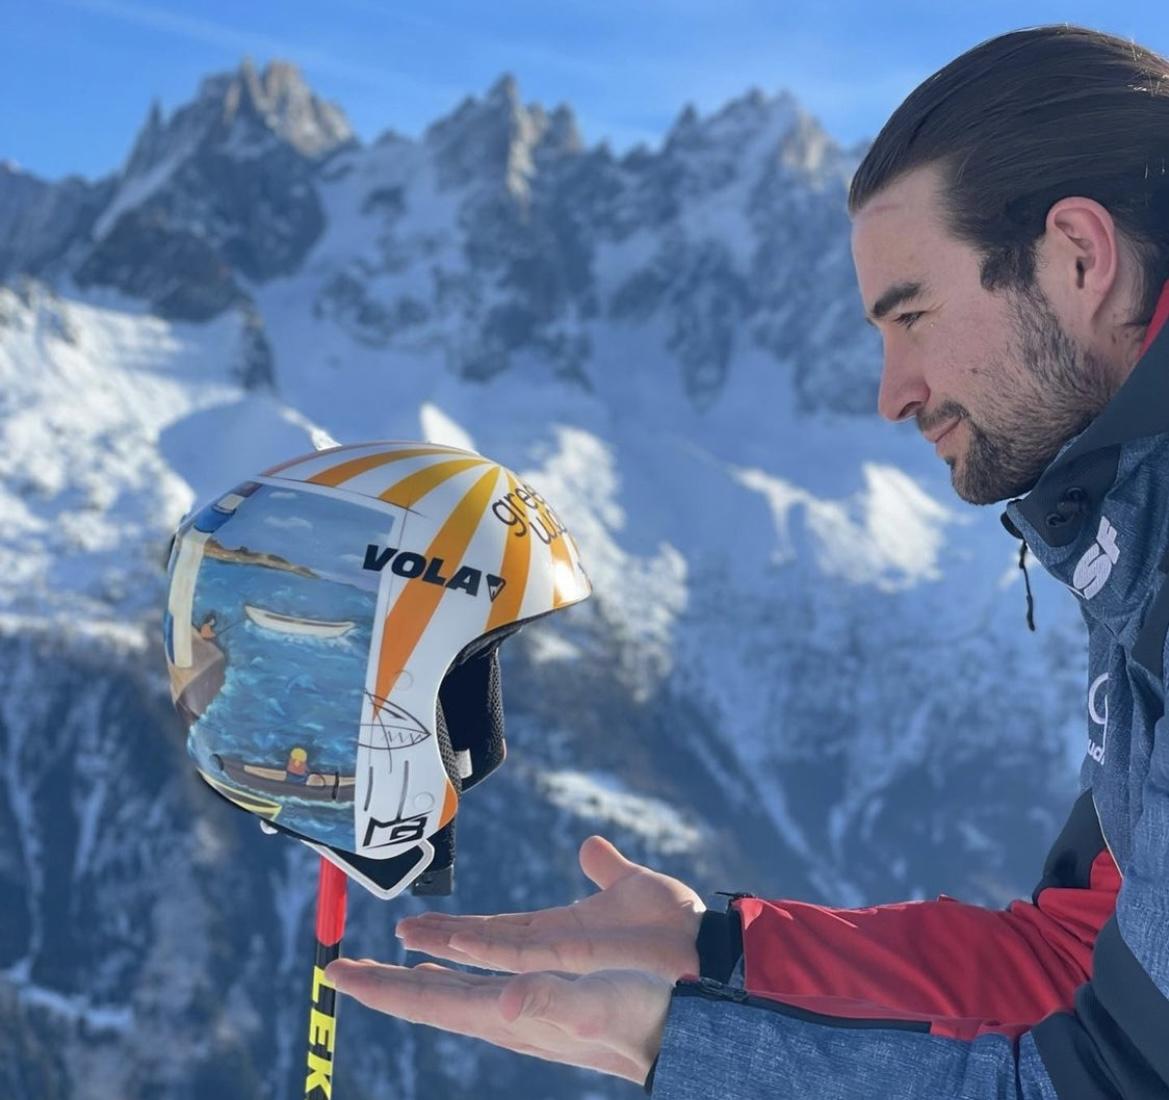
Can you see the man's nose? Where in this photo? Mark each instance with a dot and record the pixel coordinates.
(903, 390)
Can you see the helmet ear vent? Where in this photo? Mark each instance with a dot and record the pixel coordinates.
(468, 718)
(450, 761)
(470, 706)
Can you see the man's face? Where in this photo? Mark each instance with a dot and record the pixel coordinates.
(992, 377)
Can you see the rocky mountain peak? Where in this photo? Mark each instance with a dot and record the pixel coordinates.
(685, 124)
(737, 123)
(504, 93)
(225, 185)
(280, 100)
(563, 133)
(241, 113)
(806, 147)
(250, 107)
(148, 147)
(497, 138)
(753, 136)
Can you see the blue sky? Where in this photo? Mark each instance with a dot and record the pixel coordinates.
(77, 76)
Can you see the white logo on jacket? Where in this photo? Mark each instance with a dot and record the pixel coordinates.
(1096, 749)
(1095, 567)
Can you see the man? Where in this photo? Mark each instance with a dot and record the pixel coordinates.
(1011, 241)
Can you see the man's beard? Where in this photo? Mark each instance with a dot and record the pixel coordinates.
(1059, 390)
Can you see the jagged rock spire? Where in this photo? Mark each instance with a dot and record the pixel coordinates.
(241, 109)
(498, 138)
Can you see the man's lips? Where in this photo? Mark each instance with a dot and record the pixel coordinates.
(933, 437)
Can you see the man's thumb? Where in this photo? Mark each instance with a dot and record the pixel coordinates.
(604, 865)
(533, 996)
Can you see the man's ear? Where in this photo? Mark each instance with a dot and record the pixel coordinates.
(1081, 251)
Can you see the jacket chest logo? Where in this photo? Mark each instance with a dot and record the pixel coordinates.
(1098, 713)
(1095, 567)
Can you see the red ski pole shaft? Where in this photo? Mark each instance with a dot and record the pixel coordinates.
(322, 1021)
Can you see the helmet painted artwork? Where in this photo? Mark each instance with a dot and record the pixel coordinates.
(332, 632)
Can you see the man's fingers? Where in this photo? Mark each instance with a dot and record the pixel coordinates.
(578, 952)
(463, 920)
(602, 863)
(512, 950)
(462, 977)
(432, 942)
(484, 942)
(427, 994)
(519, 950)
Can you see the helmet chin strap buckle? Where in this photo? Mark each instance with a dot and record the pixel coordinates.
(384, 878)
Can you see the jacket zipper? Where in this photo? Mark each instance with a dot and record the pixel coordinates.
(709, 989)
(1104, 837)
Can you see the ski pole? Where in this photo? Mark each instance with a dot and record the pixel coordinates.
(322, 1021)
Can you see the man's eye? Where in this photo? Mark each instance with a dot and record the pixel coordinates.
(907, 320)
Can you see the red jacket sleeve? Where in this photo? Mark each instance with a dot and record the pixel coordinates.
(969, 969)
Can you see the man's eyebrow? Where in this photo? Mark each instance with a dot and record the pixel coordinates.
(894, 296)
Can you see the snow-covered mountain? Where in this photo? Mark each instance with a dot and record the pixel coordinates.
(799, 673)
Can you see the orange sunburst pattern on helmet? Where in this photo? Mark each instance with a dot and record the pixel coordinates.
(564, 582)
(581, 587)
(414, 608)
(566, 586)
(415, 486)
(346, 471)
(517, 561)
(450, 804)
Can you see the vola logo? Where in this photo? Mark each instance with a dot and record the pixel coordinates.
(410, 565)
(1096, 748)
(1095, 567)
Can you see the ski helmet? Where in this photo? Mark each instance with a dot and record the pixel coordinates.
(332, 630)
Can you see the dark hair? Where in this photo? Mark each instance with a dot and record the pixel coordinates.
(1025, 119)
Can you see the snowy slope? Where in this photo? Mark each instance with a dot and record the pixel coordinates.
(793, 677)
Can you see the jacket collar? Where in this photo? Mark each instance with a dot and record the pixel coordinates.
(1061, 515)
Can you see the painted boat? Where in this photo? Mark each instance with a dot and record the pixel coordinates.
(291, 624)
(316, 786)
(264, 807)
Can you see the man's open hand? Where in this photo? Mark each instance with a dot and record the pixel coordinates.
(640, 919)
(610, 1021)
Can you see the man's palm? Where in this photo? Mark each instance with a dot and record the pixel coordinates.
(610, 1021)
(640, 919)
